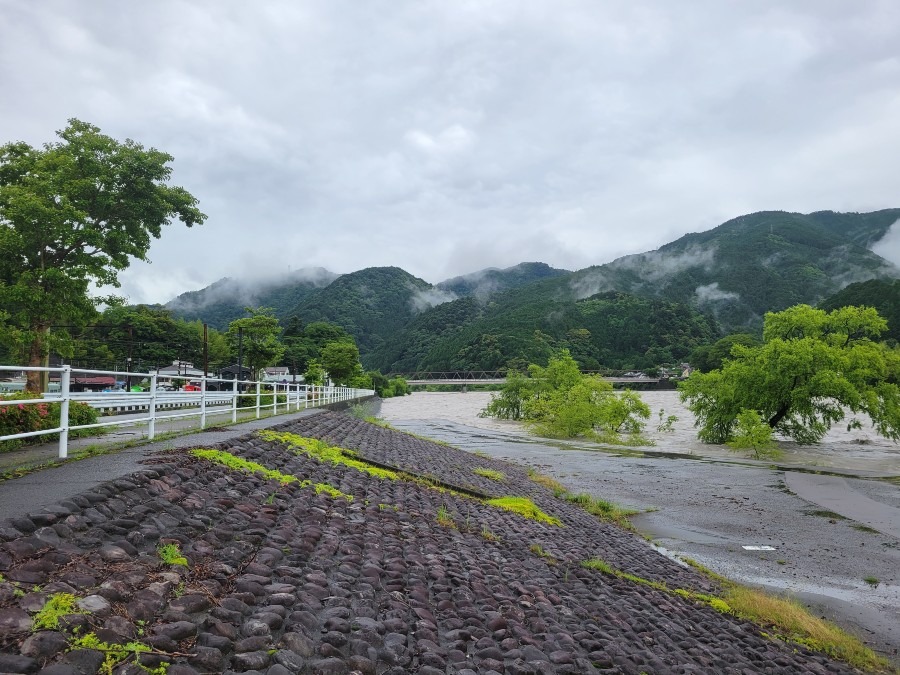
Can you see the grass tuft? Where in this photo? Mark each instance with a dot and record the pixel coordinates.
(57, 606)
(792, 622)
(240, 464)
(603, 509)
(546, 481)
(490, 473)
(787, 618)
(444, 518)
(524, 507)
(170, 554)
(321, 451)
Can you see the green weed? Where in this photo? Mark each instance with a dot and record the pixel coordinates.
(524, 507)
(170, 554)
(57, 606)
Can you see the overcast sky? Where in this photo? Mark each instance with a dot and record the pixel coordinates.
(448, 136)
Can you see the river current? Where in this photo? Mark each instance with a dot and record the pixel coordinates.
(856, 450)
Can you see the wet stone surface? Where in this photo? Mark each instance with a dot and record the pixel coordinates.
(283, 580)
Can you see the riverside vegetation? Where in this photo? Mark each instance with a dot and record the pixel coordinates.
(558, 401)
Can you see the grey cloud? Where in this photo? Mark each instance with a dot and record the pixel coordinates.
(655, 265)
(586, 285)
(449, 137)
(423, 299)
(888, 247)
(711, 293)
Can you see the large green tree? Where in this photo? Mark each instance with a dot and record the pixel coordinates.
(256, 336)
(341, 361)
(812, 367)
(73, 214)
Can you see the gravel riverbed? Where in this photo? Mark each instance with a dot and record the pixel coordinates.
(284, 580)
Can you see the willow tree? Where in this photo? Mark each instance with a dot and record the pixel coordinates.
(812, 368)
(73, 214)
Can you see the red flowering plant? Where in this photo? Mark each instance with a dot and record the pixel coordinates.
(21, 418)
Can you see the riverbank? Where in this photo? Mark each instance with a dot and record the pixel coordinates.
(348, 571)
(709, 507)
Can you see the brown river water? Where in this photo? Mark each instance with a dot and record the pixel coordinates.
(856, 450)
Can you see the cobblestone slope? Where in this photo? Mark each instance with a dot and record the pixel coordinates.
(282, 579)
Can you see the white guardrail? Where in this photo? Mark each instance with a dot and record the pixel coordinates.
(223, 400)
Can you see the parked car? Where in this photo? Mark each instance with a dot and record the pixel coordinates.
(191, 387)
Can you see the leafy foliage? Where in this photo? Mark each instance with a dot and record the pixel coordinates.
(73, 214)
(811, 367)
(171, 554)
(882, 294)
(752, 432)
(258, 335)
(57, 606)
(711, 357)
(115, 653)
(150, 336)
(22, 418)
(557, 401)
(341, 361)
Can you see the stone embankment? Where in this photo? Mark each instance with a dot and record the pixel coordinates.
(402, 578)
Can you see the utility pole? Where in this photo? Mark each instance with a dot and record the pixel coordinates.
(205, 351)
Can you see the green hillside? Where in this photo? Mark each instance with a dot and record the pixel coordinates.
(487, 282)
(883, 295)
(373, 305)
(609, 330)
(756, 263)
(635, 312)
(222, 302)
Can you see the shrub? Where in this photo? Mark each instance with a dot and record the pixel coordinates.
(249, 400)
(25, 417)
(753, 433)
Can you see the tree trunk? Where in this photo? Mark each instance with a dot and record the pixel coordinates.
(36, 381)
(778, 416)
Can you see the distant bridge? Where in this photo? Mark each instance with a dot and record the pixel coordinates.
(464, 377)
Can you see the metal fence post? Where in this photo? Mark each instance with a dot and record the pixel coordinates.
(203, 402)
(154, 379)
(234, 401)
(64, 382)
(257, 400)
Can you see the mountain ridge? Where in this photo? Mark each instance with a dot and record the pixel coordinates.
(696, 287)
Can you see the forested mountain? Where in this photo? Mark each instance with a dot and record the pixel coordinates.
(756, 263)
(882, 294)
(522, 326)
(373, 305)
(224, 301)
(489, 281)
(635, 312)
